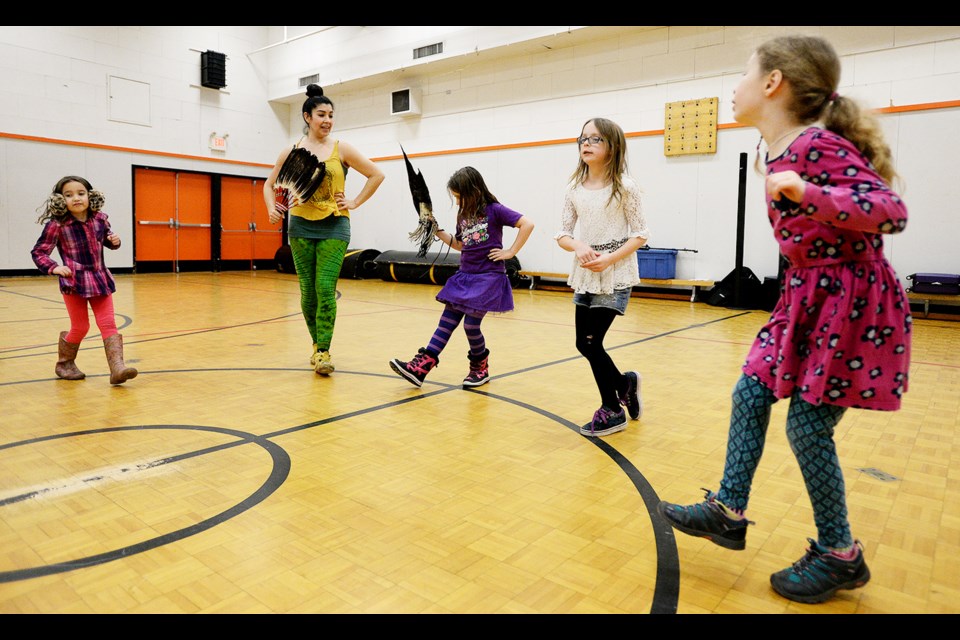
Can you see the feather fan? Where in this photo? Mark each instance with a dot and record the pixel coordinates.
(300, 175)
(426, 224)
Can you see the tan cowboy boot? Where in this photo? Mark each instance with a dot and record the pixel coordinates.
(66, 367)
(119, 372)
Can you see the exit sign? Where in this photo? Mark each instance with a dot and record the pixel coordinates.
(218, 143)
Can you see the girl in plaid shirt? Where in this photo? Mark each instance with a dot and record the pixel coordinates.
(77, 228)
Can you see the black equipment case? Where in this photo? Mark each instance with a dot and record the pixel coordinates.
(947, 283)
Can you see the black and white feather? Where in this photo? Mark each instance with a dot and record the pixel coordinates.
(427, 225)
(299, 176)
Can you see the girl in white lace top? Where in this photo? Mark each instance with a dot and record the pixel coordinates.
(605, 201)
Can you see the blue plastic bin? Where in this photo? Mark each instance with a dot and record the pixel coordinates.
(659, 264)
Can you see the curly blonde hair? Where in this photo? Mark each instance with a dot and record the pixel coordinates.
(55, 206)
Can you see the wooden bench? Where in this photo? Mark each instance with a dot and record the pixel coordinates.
(693, 285)
(927, 298)
(535, 277)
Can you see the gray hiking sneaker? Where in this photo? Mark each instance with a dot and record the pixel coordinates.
(819, 574)
(707, 520)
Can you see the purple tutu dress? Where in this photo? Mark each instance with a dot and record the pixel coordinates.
(481, 285)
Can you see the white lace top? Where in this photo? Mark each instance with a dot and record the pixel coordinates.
(605, 227)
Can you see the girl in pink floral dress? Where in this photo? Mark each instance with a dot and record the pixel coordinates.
(839, 337)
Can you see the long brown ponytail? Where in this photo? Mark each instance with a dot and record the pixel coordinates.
(812, 68)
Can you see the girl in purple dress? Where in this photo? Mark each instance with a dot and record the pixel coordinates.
(839, 336)
(481, 283)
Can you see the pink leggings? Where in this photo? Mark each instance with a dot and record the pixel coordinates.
(80, 321)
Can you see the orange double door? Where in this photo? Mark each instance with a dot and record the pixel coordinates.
(190, 221)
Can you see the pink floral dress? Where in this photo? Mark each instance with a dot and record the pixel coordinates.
(840, 333)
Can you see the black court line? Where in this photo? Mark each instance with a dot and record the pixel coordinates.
(171, 336)
(3, 289)
(621, 346)
(279, 473)
(126, 322)
(666, 590)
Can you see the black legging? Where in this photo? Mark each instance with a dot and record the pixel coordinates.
(592, 325)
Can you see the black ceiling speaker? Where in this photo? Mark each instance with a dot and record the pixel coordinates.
(213, 69)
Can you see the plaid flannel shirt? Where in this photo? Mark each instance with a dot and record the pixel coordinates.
(80, 245)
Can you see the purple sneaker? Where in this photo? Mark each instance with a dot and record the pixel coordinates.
(631, 397)
(605, 421)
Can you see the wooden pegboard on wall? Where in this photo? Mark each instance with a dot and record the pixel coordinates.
(690, 127)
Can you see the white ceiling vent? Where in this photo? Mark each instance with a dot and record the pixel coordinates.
(405, 102)
(314, 79)
(429, 50)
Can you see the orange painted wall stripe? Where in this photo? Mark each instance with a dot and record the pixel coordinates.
(927, 106)
(949, 104)
(643, 134)
(92, 145)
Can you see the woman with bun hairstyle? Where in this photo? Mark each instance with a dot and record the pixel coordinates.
(319, 228)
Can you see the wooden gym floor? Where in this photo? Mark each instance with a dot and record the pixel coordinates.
(229, 478)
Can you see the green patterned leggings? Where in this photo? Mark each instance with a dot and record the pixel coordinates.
(318, 265)
(810, 435)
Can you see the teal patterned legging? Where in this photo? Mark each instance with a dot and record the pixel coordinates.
(810, 434)
(318, 265)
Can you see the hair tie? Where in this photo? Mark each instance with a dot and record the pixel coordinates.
(834, 96)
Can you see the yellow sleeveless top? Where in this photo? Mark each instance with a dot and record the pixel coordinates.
(322, 204)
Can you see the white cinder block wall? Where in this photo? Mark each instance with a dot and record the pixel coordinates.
(57, 117)
(519, 88)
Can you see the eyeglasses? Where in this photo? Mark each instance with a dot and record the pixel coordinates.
(591, 140)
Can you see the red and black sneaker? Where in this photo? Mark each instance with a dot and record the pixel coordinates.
(479, 369)
(417, 369)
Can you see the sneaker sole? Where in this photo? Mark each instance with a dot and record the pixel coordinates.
(817, 598)
(734, 545)
(400, 371)
(585, 430)
(475, 384)
(639, 399)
